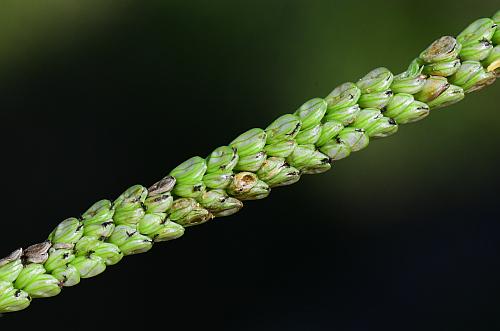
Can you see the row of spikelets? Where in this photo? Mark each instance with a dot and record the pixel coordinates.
(306, 142)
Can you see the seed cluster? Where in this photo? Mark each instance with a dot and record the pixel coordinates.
(308, 141)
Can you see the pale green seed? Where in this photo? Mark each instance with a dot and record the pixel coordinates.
(103, 230)
(476, 50)
(329, 130)
(377, 80)
(355, 138)
(398, 104)
(132, 197)
(43, 286)
(472, 77)
(218, 180)
(98, 220)
(281, 149)
(496, 18)
(336, 149)
(98, 213)
(251, 162)
(496, 36)
(375, 100)
(190, 171)
(169, 231)
(68, 231)
(187, 212)
(277, 172)
(411, 81)
(414, 112)
(311, 112)
(247, 186)
(182, 207)
(222, 159)
(158, 203)
(343, 115)
(194, 217)
(309, 136)
(14, 300)
(10, 271)
(366, 117)
(58, 258)
(128, 215)
(86, 245)
(5, 286)
(219, 203)
(130, 241)
(189, 190)
(271, 168)
(250, 142)
(27, 274)
(443, 68)
(109, 252)
(151, 223)
(308, 160)
(89, 266)
(483, 28)
(121, 234)
(382, 127)
(283, 128)
(343, 96)
(67, 275)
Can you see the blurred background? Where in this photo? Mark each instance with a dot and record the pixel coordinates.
(99, 95)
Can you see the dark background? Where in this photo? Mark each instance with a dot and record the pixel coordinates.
(97, 96)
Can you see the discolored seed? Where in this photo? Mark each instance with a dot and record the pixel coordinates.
(11, 257)
(247, 186)
(433, 87)
(37, 253)
(443, 49)
(163, 186)
(453, 94)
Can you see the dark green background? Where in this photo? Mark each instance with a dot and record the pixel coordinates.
(97, 96)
